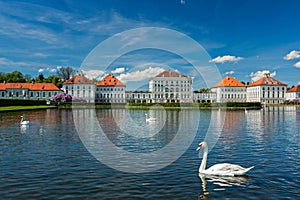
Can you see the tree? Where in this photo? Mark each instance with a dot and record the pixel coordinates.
(65, 73)
(55, 80)
(94, 80)
(288, 88)
(2, 77)
(28, 77)
(41, 77)
(204, 90)
(14, 77)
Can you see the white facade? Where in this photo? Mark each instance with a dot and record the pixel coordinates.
(209, 97)
(292, 95)
(85, 91)
(80, 87)
(171, 86)
(110, 90)
(34, 91)
(266, 94)
(138, 97)
(110, 94)
(266, 90)
(230, 94)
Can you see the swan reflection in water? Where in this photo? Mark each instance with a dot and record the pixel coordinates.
(24, 128)
(221, 181)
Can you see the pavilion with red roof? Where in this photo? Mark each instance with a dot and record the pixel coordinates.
(111, 90)
(266, 90)
(28, 90)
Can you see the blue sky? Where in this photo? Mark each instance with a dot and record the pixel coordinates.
(242, 38)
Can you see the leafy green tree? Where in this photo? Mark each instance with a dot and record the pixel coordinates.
(94, 80)
(39, 79)
(2, 77)
(55, 80)
(204, 90)
(15, 77)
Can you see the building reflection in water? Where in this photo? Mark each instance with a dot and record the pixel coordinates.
(277, 119)
(122, 139)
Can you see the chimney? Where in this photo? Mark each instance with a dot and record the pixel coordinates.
(267, 75)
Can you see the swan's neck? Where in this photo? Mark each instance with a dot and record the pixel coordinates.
(204, 159)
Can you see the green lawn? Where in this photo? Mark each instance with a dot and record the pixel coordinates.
(16, 108)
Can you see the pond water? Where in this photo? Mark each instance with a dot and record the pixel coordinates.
(116, 154)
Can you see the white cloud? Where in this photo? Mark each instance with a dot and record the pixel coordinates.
(230, 72)
(292, 55)
(12, 64)
(259, 74)
(91, 74)
(51, 69)
(41, 55)
(48, 69)
(140, 74)
(227, 58)
(119, 70)
(297, 64)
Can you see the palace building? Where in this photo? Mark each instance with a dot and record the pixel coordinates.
(81, 87)
(110, 90)
(168, 86)
(293, 93)
(35, 91)
(230, 90)
(171, 86)
(266, 90)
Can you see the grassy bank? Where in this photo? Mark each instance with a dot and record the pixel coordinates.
(20, 108)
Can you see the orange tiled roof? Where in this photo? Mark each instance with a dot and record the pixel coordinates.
(29, 86)
(229, 81)
(78, 80)
(295, 89)
(170, 73)
(111, 81)
(267, 80)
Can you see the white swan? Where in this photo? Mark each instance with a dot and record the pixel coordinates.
(22, 122)
(222, 169)
(150, 119)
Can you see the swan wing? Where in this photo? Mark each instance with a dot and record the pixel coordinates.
(151, 119)
(226, 169)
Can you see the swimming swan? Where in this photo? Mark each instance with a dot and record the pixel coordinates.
(22, 122)
(222, 169)
(150, 119)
